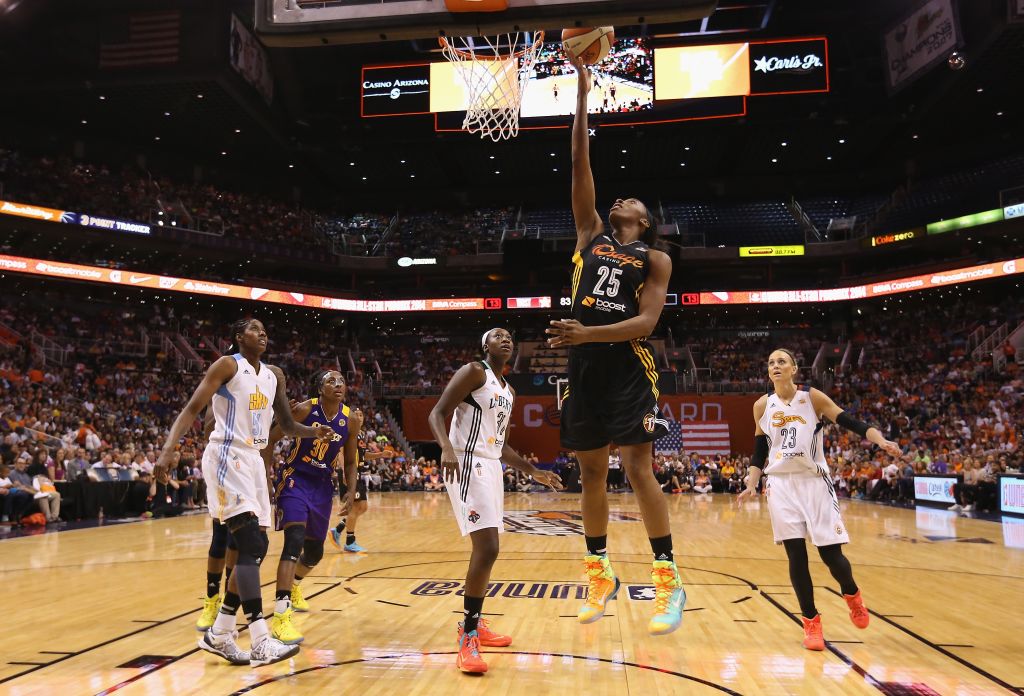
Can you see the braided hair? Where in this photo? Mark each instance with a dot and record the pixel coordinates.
(317, 383)
(238, 327)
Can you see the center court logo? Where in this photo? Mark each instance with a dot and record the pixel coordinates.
(526, 590)
(554, 522)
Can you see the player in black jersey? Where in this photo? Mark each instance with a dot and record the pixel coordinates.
(618, 291)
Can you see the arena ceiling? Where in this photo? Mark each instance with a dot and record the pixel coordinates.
(197, 111)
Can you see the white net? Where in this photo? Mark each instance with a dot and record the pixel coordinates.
(494, 71)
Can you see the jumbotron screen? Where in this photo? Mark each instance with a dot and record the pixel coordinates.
(635, 83)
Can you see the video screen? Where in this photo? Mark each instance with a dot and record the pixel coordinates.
(622, 83)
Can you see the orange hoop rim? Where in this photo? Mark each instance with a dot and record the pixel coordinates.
(466, 55)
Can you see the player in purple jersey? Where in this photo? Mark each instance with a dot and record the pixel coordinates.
(304, 492)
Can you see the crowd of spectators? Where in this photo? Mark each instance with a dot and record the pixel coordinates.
(110, 402)
(133, 194)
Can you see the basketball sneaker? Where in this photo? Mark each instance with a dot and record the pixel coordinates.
(858, 612)
(223, 645)
(468, 658)
(270, 650)
(336, 538)
(299, 602)
(602, 588)
(354, 548)
(669, 598)
(488, 638)
(282, 628)
(211, 605)
(813, 640)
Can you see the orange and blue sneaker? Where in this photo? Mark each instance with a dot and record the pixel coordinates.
(813, 638)
(669, 598)
(602, 588)
(858, 612)
(488, 638)
(468, 658)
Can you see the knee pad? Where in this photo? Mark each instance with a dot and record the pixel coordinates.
(219, 540)
(293, 537)
(312, 552)
(252, 541)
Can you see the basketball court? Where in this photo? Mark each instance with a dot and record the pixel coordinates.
(115, 607)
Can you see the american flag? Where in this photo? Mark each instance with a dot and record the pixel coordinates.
(152, 38)
(707, 437)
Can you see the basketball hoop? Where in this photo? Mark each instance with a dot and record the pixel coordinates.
(495, 71)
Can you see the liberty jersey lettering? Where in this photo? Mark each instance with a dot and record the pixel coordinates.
(795, 435)
(312, 455)
(480, 424)
(243, 406)
(606, 281)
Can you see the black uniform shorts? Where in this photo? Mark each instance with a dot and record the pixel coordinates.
(612, 397)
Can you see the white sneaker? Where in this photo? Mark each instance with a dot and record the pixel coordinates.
(269, 651)
(223, 645)
(968, 508)
(954, 507)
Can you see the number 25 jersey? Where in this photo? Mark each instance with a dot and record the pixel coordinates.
(607, 279)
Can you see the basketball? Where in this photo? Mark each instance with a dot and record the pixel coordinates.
(590, 44)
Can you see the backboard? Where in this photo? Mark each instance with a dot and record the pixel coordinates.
(322, 22)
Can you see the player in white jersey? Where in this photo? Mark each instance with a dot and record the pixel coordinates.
(471, 456)
(246, 394)
(802, 502)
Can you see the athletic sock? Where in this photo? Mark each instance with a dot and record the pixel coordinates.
(471, 608)
(212, 584)
(341, 527)
(350, 538)
(282, 601)
(597, 546)
(258, 631)
(230, 604)
(225, 621)
(662, 548)
(227, 576)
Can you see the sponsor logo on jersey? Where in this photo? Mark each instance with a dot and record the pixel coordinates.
(258, 442)
(603, 305)
(779, 419)
(607, 251)
(649, 422)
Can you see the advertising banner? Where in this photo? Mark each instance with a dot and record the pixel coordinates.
(934, 489)
(965, 221)
(919, 41)
(789, 66)
(1011, 494)
(773, 250)
(696, 72)
(896, 237)
(395, 90)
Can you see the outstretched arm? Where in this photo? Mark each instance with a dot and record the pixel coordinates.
(824, 406)
(584, 197)
(222, 370)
